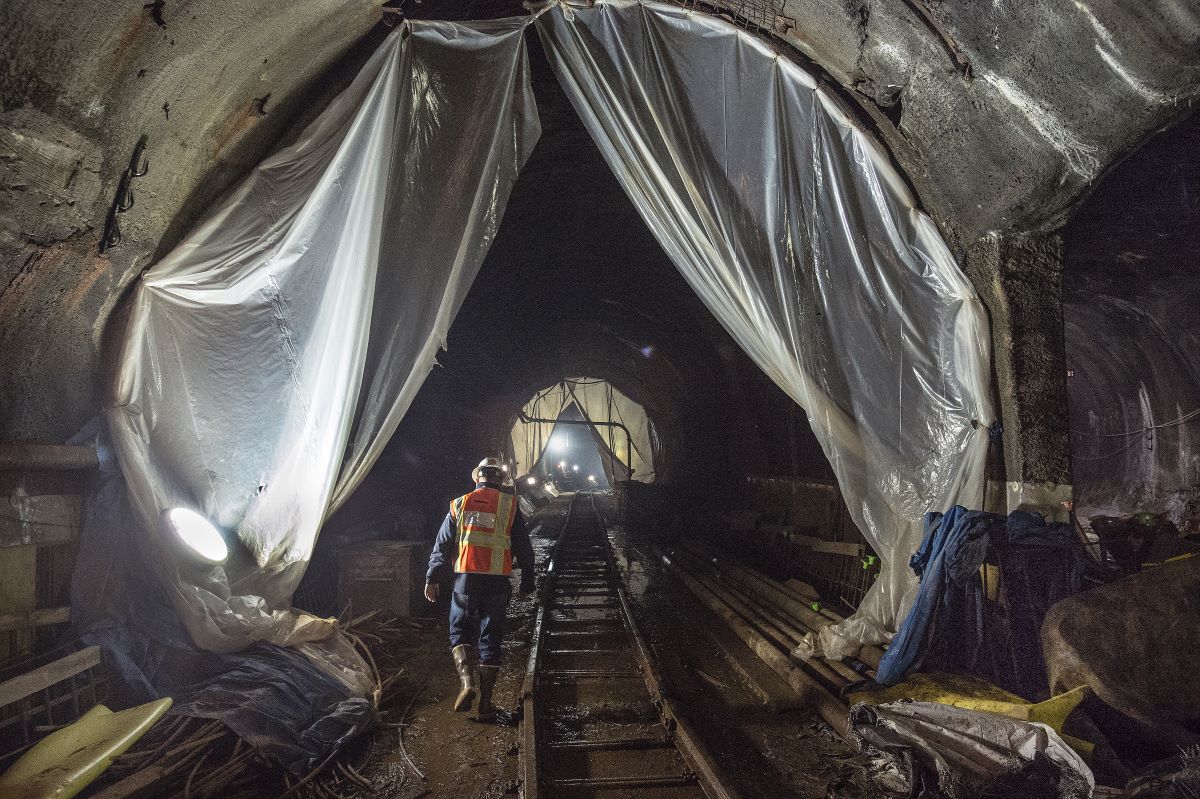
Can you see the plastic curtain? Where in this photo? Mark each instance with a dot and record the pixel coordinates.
(598, 401)
(799, 236)
(268, 358)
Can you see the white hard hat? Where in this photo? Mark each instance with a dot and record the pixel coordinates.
(489, 463)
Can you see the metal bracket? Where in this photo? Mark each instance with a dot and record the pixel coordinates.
(588, 423)
(138, 166)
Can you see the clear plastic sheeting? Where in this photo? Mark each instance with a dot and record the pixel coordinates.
(598, 401)
(269, 357)
(800, 237)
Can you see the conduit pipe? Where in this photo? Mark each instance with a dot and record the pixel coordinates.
(831, 710)
(836, 673)
(771, 590)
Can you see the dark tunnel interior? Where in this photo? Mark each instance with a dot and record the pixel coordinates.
(998, 205)
(1133, 331)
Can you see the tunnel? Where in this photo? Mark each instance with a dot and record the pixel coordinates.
(599, 398)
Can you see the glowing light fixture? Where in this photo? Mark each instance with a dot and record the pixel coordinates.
(591, 478)
(196, 535)
(562, 465)
(575, 467)
(531, 480)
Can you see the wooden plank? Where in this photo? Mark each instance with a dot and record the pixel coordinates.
(18, 594)
(848, 548)
(42, 519)
(53, 457)
(35, 618)
(39, 679)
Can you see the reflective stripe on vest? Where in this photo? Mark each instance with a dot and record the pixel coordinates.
(484, 519)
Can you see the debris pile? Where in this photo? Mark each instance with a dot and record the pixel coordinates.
(198, 758)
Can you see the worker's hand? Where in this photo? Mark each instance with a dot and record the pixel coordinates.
(432, 590)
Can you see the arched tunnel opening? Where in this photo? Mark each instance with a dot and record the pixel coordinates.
(599, 398)
(585, 432)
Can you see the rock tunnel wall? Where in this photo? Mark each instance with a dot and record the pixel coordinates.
(1133, 333)
(212, 85)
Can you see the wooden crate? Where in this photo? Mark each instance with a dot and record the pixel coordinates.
(378, 575)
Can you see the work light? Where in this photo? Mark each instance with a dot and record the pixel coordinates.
(195, 535)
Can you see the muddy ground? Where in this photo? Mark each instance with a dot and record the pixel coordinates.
(746, 716)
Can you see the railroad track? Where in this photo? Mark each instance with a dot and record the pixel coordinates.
(596, 722)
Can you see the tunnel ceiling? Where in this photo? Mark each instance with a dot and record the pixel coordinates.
(1001, 115)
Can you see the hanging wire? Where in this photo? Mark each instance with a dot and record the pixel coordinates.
(1106, 455)
(1173, 423)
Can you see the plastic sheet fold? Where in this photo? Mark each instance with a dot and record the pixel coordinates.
(269, 357)
(800, 237)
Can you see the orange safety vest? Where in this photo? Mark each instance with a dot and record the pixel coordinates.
(484, 519)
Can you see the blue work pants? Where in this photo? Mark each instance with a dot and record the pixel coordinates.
(477, 619)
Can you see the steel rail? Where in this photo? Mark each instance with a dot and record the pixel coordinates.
(551, 765)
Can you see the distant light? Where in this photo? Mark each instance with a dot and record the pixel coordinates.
(591, 478)
(647, 351)
(562, 464)
(531, 480)
(504, 467)
(575, 467)
(197, 534)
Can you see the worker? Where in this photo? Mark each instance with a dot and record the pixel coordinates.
(479, 539)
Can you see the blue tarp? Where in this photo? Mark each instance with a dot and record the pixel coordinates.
(953, 627)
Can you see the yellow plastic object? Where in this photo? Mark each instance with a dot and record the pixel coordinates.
(990, 576)
(65, 762)
(972, 693)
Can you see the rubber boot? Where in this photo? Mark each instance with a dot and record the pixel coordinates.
(487, 682)
(464, 661)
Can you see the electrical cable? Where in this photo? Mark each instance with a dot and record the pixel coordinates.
(1104, 456)
(1173, 423)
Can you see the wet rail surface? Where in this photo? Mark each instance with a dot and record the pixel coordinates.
(596, 722)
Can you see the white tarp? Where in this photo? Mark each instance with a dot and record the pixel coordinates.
(599, 402)
(800, 237)
(269, 357)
